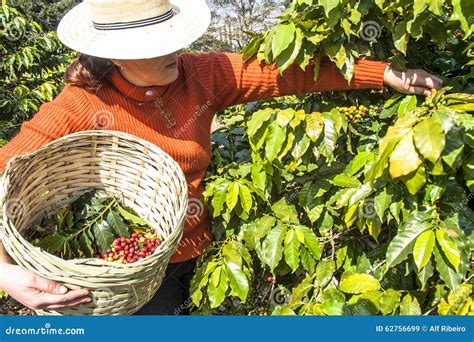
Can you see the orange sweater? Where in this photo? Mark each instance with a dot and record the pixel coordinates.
(206, 83)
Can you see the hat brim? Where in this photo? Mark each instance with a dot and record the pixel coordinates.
(190, 22)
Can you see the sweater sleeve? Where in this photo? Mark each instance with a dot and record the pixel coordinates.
(53, 120)
(229, 81)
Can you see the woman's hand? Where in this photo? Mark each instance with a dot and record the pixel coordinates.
(411, 81)
(36, 292)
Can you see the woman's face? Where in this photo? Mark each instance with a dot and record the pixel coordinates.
(157, 71)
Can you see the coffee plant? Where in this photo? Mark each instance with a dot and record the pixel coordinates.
(32, 65)
(348, 203)
(95, 225)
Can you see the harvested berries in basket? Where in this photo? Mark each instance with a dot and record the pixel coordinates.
(96, 225)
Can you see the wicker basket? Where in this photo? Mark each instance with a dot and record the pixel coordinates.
(148, 180)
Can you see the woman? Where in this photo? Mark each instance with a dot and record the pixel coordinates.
(138, 83)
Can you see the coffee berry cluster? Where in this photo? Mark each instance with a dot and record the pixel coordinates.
(360, 113)
(432, 101)
(130, 250)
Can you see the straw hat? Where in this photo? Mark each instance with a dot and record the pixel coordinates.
(133, 29)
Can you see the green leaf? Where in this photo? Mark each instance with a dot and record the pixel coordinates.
(436, 6)
(311, 242)
(301, 147)
(263, 226)
(402, 244)
(285, 212)
(237, 279)
(328, 5)
(406, 105)
(257, 120)
(452, 152)
(325, 271)
(345, 180)
(219, 198)
(400, 36)
(273, 247)
(252, 48)
(282, 38)
(259, 177)
(449, 248)
(117, 224)
(429, 139)
(217, 291)
(314, 125)
(446, 272)
(464, 12)
(292, 251)
(274, 141)
(245, 198)
(53, 244)
(131, 217)
(415, 181)
(103, 235)
(423, 248)
(425, 274)
(307, 260)
(359, 283)
(232, 195)
(390, 301)
(382, 201)
(232, 254)
(330, 137)
(419, 6)
(288, 57)
(85, 245)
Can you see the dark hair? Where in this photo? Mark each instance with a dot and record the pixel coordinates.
(88, 72)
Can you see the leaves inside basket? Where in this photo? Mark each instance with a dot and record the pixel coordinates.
(95, 225)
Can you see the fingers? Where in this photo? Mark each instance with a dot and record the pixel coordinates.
(48, 286)
(69, 305)
(48, 299)
(422, 78)
(418, 91)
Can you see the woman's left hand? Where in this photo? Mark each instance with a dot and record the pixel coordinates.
(411, 81)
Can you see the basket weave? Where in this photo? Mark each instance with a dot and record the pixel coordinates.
(146, 178)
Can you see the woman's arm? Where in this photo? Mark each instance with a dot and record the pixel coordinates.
(229, 81)
(54, 120)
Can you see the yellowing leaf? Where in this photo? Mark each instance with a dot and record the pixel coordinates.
(314, 125)
(359, 283)
(429, 139)
(404, 158)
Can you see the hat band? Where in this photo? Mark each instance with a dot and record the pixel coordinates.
(134, 24)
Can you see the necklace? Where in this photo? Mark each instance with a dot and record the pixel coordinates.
(165, 114)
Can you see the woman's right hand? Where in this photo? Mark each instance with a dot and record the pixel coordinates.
(36, 292)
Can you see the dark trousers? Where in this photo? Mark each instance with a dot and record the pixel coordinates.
(172, 298)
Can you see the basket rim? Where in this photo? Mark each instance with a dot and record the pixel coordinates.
(92, 262)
